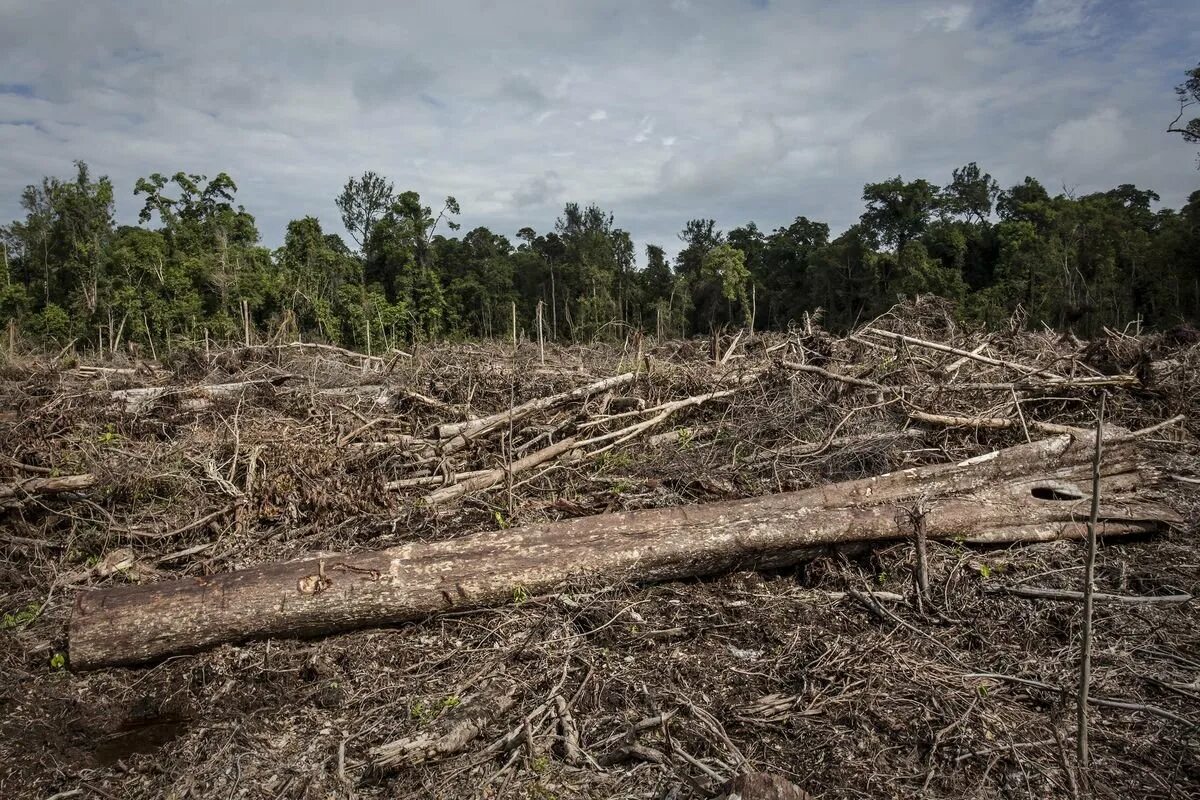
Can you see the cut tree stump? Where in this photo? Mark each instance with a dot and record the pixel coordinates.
(1032, 492)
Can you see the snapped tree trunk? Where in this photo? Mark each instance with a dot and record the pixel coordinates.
(1031, 492)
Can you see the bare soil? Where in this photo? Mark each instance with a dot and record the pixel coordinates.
(673, 688)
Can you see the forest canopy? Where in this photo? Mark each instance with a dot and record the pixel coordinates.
(195, 266)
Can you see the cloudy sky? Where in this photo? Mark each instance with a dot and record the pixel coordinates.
(659, 111)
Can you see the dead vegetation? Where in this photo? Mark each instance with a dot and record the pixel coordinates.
(849, 675)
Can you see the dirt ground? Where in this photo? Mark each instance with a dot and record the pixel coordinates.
(830, 674)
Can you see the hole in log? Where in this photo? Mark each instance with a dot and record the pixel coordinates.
(1059, 492)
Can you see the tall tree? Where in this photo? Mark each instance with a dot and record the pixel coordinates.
(898, 211)
(1188, 93)
(971, 194)
(362, 203)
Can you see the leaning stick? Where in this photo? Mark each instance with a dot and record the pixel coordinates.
(479, 425)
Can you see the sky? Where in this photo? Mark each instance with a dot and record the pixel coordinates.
(659, 111)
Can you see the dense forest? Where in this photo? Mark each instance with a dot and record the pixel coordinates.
(195, 266)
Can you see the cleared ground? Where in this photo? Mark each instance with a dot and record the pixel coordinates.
(831, 674)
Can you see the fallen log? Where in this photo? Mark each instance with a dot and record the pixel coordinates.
(13, 495)
(1029, 492)
(198, 396)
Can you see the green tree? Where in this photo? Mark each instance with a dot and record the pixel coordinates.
(1188, 93)
(898, 211)
(971, 194)
(363, 202)
(724, 276)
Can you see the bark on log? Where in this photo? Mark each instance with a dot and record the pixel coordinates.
(1029, 492)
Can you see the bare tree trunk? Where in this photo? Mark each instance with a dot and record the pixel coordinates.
(553, 306)
(1024, 493)
(541, 340)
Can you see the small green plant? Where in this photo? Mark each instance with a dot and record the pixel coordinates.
(109, 436)
(685, 437)
(621, 486)
(985, 571)
(19, 618)
(451, 701)
(540, 764)
(420, 712)
(520, 594)
(881, 578)
(58, 661)
(615, 460)
(501, 520)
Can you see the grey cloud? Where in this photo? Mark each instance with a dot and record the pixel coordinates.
(392, 82)
(539, 190)
(710, 108)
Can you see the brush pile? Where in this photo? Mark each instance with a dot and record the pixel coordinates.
(850, 675)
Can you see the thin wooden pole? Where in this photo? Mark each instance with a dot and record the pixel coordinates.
(246, 322)
(541, 341)
(554, 305)
(1089, 571)
(514, 325)
(753, 306)
(149, 336)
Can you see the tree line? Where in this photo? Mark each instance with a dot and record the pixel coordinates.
(195, 266)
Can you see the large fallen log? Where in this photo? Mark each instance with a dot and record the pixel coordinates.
(1027, 493)
(197, 396)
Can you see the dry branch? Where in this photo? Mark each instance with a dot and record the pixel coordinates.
(481, 425)
(465, 722)
(824, 373)
(945, 348)
(1041, 593)
(990, 422)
